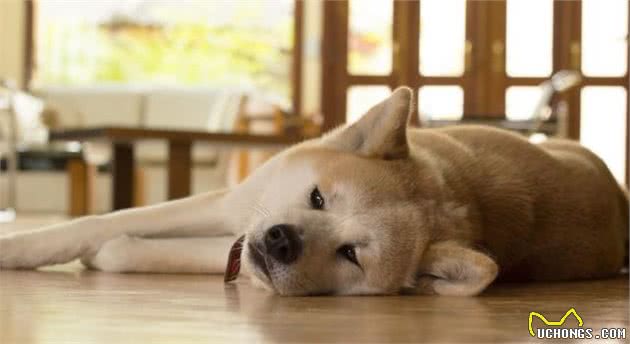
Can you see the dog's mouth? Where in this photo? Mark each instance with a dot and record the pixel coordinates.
(258, 260)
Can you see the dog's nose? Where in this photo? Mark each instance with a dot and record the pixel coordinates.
(283, 243)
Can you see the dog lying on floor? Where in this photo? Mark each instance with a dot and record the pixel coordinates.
(373, 208)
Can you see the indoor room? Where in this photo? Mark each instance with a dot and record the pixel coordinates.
(292, 171)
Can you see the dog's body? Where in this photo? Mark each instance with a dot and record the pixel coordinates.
(544, 212)
(374, 208)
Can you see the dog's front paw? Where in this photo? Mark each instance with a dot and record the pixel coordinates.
(113, 256)
(34, 249)
(14, 253)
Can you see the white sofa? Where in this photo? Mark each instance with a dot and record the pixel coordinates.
(173, 108)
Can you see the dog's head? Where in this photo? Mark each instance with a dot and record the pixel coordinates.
(354, 212)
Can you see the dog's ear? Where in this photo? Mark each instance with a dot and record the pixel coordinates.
(381, 132)
(449, 268)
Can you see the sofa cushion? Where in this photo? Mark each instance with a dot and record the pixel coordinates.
(95, 106)
(200, 109)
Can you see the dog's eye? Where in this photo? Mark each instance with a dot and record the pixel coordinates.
(317, 201)
(348, 252)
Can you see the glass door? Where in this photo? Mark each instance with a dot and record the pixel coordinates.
(370, 55)
(445, 63)
(602, 101)
(419, 44)
(528, 55)
(588, 36)
(468, 58)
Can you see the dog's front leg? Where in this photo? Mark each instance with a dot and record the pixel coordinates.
(209, 214)
(207, 255)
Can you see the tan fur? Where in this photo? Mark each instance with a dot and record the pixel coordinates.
(545, 212)
(476, 202)
(436, 211)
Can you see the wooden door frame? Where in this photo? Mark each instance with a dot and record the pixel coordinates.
(567, 38)
(567, 35)
(467, 81)
(405, 58)
(28, 62)
(297, 57)
(406, 49)
(495, 48)
(334, 61)
(568, 55)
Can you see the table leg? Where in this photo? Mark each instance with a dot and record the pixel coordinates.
(81, 182)
(179, 169)
(123, 187)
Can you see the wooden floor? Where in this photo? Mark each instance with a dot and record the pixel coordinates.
(66, 304)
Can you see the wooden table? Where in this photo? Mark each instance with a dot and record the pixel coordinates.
(179, 153)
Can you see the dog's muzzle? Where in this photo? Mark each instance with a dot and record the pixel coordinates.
(283, 244)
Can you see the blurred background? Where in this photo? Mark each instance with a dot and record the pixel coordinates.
(286, 69)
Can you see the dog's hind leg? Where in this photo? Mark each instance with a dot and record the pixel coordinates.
(210, 214)
(169, 255)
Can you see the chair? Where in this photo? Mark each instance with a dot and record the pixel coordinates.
(23, 139)
(209, 109)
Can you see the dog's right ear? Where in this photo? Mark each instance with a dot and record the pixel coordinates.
(450, 268)
(381, 132)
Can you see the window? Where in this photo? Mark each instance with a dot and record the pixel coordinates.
(442, 37)
(604, 31)
(603, 123)
(370, 38)
(521, 101)
(529, 45)
(441, 102)
(470, 60)
(362, 98)
(245, 44)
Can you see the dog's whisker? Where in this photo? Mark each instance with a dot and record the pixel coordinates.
(263, 209)
(259, 206)
(259, 211)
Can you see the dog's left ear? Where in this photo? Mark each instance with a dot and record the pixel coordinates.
(381, 132)
(450, 268)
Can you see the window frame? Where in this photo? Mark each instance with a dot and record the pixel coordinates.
(484, 89)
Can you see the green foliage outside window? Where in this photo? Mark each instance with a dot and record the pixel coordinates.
(233, 53)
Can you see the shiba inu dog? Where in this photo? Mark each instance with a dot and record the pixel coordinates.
(375, 207)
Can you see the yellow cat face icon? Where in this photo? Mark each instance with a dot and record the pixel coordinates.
(553, 323)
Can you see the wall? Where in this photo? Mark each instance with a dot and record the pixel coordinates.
(12, 39)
